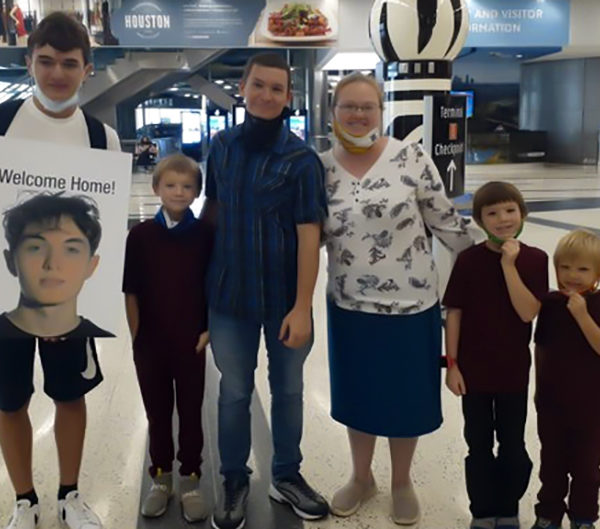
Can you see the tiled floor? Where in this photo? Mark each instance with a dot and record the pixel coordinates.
(116, 439)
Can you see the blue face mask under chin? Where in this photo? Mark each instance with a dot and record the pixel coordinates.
(56, 107)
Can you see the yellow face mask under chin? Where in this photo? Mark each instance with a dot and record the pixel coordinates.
(355, 144)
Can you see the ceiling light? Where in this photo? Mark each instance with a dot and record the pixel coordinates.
(353, 61)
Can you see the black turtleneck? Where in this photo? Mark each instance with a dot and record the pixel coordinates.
(261, 134)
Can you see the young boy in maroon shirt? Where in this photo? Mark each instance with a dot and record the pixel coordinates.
(567, 358)
(493, 294)
(165, 266)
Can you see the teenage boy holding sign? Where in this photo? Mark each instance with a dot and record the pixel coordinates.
(58, 60)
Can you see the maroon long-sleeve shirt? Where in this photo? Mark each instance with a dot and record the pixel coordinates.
(166, 271)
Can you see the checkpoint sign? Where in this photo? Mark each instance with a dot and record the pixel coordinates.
(444, 138)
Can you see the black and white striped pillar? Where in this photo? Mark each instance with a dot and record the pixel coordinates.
(417, 40)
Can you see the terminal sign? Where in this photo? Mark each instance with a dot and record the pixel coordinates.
(445, 124)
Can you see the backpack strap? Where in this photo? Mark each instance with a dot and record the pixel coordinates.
(8, 111)
(96, 131)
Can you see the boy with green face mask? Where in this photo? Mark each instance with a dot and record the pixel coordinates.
(493, 294)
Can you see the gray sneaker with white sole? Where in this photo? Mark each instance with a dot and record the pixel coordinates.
(193, 502)
(157, 500)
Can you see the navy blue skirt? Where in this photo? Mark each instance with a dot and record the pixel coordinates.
(385, 371)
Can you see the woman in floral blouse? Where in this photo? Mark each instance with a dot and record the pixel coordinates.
(383, 310)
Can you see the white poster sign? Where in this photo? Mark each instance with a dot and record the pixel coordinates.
(64, 224)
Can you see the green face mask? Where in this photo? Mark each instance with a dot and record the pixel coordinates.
(499, 241)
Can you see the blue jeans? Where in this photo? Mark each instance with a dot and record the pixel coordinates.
(235, 344)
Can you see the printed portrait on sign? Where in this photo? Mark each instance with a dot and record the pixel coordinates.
(52, 250)
(63, 216)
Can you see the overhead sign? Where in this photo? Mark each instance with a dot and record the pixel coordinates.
(225, 23)
(445, 134)
(516, 23)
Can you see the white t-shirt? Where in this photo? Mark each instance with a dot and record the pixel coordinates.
(379, 258)
(32, 124)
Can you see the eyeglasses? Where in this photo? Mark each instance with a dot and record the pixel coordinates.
(349, 108)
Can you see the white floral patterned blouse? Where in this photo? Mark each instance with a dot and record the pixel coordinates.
(379, 257)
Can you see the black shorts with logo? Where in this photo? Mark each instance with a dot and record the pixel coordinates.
(70, 366)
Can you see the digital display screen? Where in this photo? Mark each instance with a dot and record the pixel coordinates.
(191, 127)
(216, 124)
(470, 97)
(240, 115)
(298, 126)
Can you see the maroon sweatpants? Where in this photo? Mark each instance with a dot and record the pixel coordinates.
(167, 374)
(568, 452)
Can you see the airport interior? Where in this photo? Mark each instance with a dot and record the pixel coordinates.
(166, 77)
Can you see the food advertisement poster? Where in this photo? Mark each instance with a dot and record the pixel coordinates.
(225, 23)
(305, 24)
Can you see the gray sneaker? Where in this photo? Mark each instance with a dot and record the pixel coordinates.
(230, 512)
(306, 502)
(483, 523)
(157, 500)
(582, 525)
(193, 503)
(544, 523)
(508, 522)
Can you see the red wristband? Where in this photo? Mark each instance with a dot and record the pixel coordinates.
(450, 362)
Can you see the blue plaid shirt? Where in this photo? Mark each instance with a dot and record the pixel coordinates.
(261, 198)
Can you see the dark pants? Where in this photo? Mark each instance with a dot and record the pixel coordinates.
(568, 451)
(496, 483)
(166, 374)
